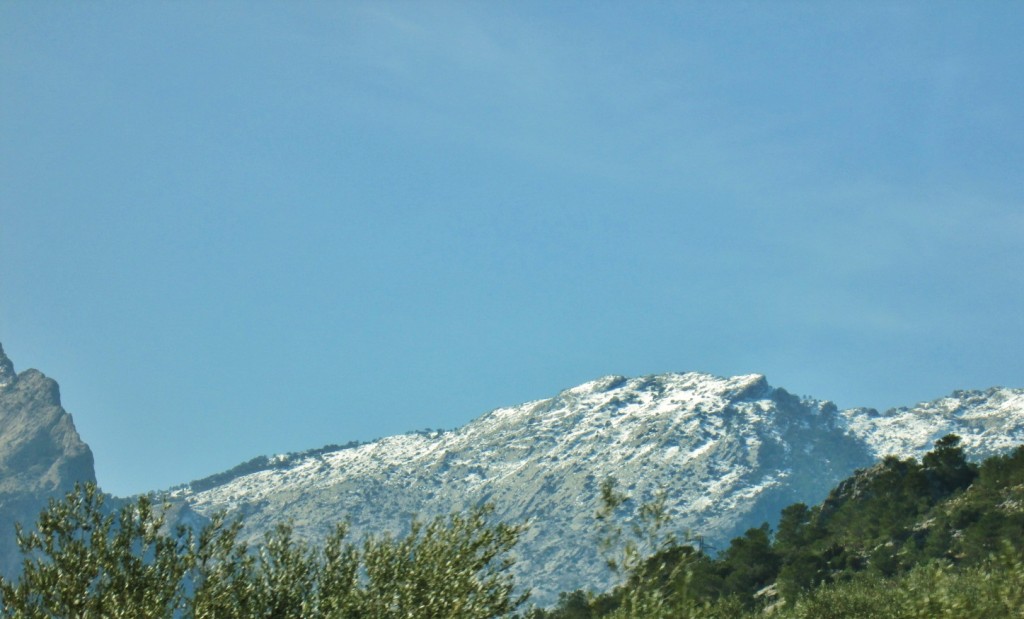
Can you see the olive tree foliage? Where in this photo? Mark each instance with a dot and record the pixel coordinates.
(653, 586)
(454, 567)
(223, 572)
(625, 549)
(83, 561)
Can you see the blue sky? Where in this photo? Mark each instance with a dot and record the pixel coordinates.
(233, 229)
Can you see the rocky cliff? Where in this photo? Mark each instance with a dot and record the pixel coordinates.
(41, 454)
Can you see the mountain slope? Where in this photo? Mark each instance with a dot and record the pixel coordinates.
(730, 450)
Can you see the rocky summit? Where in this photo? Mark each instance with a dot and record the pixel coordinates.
(41, 454)
(729, 452)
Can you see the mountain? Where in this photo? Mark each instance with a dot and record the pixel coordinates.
(41, 453)
(731, 452)
(728, 452)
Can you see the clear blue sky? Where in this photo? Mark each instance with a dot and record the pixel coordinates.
(233, 229)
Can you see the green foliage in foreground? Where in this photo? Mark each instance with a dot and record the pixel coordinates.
(83, 562)
(935, 590)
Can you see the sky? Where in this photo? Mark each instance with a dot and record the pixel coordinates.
(236, 229)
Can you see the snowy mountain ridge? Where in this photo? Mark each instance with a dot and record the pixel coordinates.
(988, 422)
(731, 452)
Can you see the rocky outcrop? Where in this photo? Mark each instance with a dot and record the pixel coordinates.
(41, 453)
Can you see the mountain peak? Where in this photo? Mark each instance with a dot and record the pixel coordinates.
(700, 384)
(40, 450)
(733, 450)
(7, 375)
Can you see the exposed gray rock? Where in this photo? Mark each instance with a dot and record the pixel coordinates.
(41, 453)
(7, 375)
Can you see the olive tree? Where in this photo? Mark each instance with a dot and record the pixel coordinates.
(85, 561)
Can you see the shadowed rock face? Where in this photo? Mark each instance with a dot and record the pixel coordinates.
(41, 454)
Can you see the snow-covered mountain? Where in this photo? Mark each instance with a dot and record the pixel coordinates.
(730, 452)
